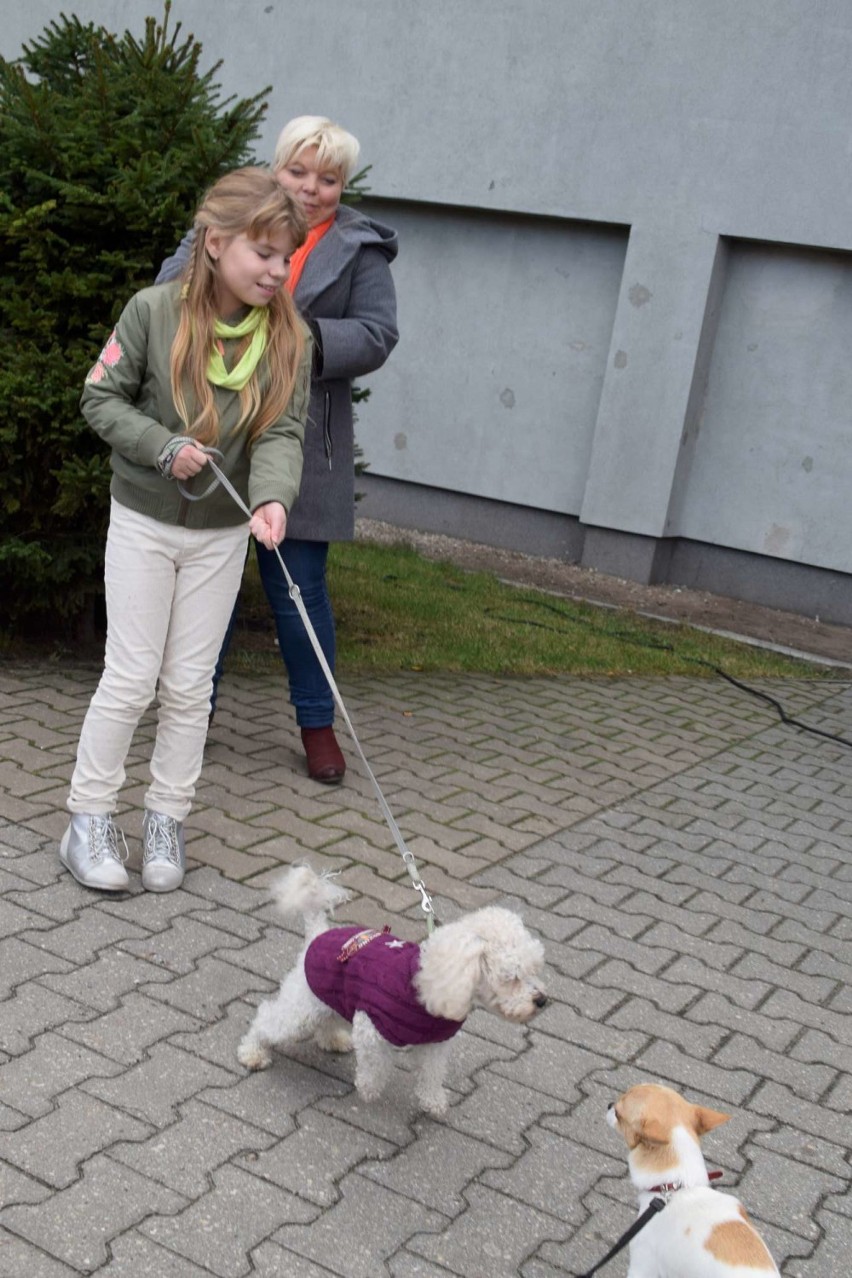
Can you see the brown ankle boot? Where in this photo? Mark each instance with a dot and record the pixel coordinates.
(325, 760)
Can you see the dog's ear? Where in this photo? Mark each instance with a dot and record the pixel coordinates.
(450, 971)
(707, 1119)
(654, 1132)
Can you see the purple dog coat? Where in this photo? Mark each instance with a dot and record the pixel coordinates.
(353, 969)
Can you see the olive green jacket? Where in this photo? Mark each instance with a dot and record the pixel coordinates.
(128, 401)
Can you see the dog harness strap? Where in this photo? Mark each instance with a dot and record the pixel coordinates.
(655, 1205)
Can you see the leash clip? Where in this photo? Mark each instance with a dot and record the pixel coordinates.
(419, 886)
(425, 899)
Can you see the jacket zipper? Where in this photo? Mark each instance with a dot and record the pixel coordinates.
(326, 428)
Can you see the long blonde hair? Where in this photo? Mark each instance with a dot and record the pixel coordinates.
(249, 202)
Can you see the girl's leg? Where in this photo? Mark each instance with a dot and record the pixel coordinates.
(310, 693)
(140, 579)
(209, 569)
(220, 660)
(306, 562)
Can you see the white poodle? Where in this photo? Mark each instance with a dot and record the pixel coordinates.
(393, 993)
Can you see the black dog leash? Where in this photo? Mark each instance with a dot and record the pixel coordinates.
(655, 1205)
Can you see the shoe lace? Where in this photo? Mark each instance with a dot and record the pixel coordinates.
(103, 841)
(161, 838)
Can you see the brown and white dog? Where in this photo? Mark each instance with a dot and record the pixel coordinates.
(701, 1233)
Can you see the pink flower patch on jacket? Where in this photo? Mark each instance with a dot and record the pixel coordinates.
(108, 358)
(112, 352)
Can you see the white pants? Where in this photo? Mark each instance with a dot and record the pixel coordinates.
(169, 596)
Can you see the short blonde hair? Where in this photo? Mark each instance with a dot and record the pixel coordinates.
(336, 149)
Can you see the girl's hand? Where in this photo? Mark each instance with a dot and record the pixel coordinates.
(269, 524)
(188, 462)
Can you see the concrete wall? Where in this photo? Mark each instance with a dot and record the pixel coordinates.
(624, 281)
(505, 324)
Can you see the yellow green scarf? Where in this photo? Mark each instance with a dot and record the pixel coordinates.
(256, 324)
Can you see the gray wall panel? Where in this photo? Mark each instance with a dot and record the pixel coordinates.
(505, 325)
(771, 466)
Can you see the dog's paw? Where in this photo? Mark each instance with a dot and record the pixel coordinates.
(336, 1040)
(370, 1090)
(253, 1055)
(435, 1103)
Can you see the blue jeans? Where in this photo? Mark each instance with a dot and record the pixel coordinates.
(309, 691)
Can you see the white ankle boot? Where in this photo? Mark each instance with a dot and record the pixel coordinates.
(163, 856)
(89, 849)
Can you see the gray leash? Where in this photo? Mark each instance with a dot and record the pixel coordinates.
(296, 595)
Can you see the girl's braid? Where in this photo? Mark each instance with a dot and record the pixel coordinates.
(189, 270)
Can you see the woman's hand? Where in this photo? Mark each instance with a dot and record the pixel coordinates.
(187, 462)
(269, 524)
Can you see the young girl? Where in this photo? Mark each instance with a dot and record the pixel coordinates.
(219, 359)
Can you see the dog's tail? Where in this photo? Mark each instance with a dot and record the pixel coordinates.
(302, 892)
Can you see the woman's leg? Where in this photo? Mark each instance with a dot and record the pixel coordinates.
(310, 692)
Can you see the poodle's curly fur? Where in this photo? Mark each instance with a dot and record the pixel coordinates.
(487, 957)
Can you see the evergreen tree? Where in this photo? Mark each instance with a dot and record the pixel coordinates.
(106, 143)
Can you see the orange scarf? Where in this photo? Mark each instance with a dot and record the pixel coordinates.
(298, 259)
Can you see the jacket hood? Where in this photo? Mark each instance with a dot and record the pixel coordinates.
(356, 228)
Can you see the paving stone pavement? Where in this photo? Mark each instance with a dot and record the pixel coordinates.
(684, 856)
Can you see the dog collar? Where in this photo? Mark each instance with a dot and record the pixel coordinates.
(671, 1186)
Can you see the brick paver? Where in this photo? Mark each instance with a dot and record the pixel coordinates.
(685, 858)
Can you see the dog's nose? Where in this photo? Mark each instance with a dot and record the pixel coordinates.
(540, 1000)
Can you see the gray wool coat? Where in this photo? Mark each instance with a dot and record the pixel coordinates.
(346, 289)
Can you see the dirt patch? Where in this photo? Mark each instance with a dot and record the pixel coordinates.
(795, 634)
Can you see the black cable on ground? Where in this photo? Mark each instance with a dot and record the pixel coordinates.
(660, 646)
